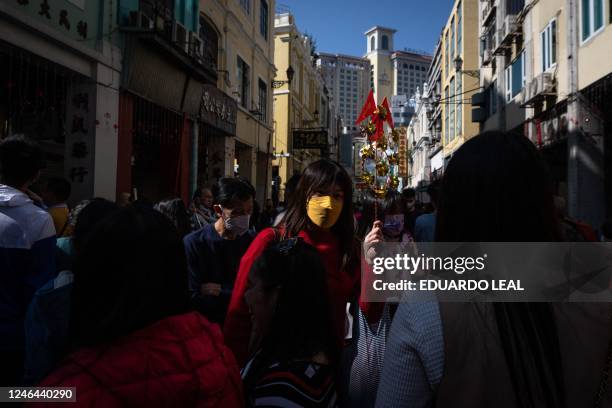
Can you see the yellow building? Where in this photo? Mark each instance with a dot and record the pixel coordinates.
(243, 33)
(300, 98)
(459, 49)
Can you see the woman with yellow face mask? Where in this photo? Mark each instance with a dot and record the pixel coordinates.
(321, 213)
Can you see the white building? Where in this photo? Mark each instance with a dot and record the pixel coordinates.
(425, 153)
(393, 72)
(347, 80)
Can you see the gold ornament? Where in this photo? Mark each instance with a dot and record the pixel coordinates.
(394, 158)
(381, 112)
(382, 143)
(370, 128)
(367, 152)
(367, 178)
(380, 192)
(393, 182)
(382, 168)
(395, 135)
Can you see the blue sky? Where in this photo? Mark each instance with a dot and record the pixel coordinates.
(338, 25)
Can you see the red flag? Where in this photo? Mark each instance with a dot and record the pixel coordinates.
(389, 117)
(368, 108)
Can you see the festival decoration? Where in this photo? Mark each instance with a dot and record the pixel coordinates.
(379, 156)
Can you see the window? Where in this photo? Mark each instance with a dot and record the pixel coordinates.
(515, 77)
(459, 92)
(210, 42)
(446, 123)
(385, 42)
(452, 39)
(263, 18)
(451, 107)
(263, 101)
(246, 5)
(446, 54)
(592, 17)
(548, 38)
(459, 28)
(372, 43)
(243, 74)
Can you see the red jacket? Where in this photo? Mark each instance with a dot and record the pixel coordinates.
(180, 361)
(343, 287)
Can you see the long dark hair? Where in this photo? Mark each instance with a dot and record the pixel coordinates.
(301, 324)
(375, 209)
(130, 272)
(497, 189)
(317, 177)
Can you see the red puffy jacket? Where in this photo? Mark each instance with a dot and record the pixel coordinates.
(180, 361)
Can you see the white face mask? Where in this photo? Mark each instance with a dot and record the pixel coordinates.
(237, 225)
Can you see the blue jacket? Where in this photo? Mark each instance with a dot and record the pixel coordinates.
(27, 261)
(47, 327)
(212, 259)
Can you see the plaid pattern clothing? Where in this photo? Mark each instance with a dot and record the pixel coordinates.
(414, 357)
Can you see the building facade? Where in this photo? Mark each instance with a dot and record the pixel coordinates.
(393, 73)
(61, 75)
(305, 128)
(459, 72)
(545, 75)
(241, 34)
(348, 80)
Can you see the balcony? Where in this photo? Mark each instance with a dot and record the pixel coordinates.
(173, 39)
(488, 12)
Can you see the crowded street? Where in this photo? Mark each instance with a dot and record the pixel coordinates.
(241, 203)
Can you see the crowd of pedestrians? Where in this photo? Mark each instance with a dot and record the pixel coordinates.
(214, 303)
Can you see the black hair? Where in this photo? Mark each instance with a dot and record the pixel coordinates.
(290, 187)
(496, 188)
(320, 176)
(130, 273)
(229, 189)
(408, 193)
(60, 187)
(196, 194)
(301, 324)
(433, 191)
(20, 160)
(94, 212)
(375, 209)
(174, 208)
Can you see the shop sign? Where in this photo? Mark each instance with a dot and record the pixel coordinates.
(218, 109)
(310, 139)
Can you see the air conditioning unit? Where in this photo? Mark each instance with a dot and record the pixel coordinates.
(539, 87)
(140, 20)
(195, 45)
(509, 28)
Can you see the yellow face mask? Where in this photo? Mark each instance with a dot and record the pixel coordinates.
(324, 211)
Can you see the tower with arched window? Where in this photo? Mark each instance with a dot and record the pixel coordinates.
(379, 50)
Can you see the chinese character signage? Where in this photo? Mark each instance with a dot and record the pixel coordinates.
(218, 109)
(310, 139)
